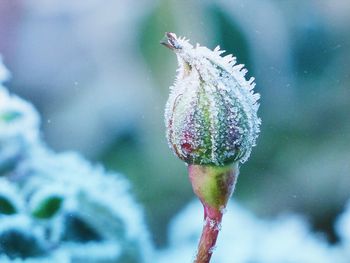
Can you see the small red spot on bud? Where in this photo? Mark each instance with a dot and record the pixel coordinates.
(186, 147)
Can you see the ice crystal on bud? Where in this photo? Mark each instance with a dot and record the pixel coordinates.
(211, 113)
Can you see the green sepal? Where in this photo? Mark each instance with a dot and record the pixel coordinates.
(214, 184)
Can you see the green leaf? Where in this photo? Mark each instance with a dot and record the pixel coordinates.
(48, 207)
(6, 206)
(9, 116)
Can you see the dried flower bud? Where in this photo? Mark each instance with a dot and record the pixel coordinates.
(211, 113)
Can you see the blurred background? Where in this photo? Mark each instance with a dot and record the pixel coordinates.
(98, 76)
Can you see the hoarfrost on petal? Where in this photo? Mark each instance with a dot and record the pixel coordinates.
(218, 112)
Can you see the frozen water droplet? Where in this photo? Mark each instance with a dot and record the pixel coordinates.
(223, 209)
(212, 249)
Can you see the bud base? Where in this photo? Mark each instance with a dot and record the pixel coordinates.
(213, 185)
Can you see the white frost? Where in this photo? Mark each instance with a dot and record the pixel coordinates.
(246, 238)
(210, 98)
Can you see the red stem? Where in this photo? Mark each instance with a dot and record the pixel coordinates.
(211, 228)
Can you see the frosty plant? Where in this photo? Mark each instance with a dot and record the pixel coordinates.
(212, 125)
(58, 207)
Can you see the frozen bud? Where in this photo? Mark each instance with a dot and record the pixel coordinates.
(211, 113)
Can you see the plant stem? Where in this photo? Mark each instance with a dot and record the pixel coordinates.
(213, 185)
(211, 228)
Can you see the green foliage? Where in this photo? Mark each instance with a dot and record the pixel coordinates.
(162, 19)
(231, 38)
(6, 206)
(9, 116)
(48, 207)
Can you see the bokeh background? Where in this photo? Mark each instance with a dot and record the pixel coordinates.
(97, 74)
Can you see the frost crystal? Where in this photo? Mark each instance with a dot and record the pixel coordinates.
(211, 113)
(19, 126)
(91, 197)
